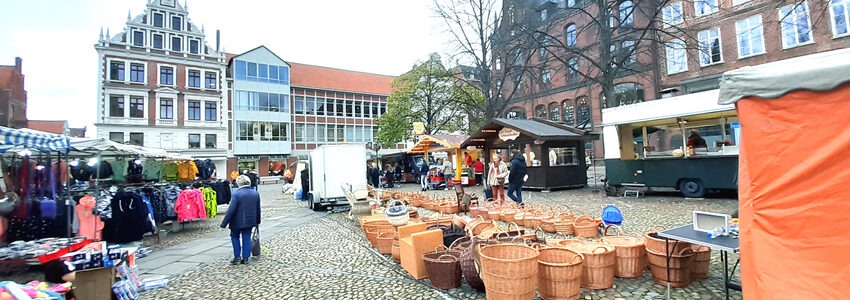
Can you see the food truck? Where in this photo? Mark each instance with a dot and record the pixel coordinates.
(655, 145)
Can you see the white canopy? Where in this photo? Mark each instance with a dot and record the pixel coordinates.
(817, 72)
(667, 108)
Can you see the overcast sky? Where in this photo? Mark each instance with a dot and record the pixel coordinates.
(56, 40)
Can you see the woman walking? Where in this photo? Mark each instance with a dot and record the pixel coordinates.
(243, 214)
(496, 178)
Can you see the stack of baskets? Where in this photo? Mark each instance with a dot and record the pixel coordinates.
(509, 271)
(630, 252)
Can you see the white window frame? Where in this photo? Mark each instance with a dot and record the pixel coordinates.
(145, 105)
(793, 16)
(144, 38)
(204, 81)
(713, 7)
(159, 75)
(204, 111)
(672, 53)
(845, 4)
(189, 46)
(173, 99)
(201, 82)
(749, 31)
(164, 42)
(129, 72)
(171, 43)
(705, 45)
(546, 76)
(164, 21)
(667, 14)
(108, 74)
(171, 22)
(186, 109)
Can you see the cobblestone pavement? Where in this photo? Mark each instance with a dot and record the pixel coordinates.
(330, 258)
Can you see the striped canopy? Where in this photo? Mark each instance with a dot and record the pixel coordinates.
(33, 140)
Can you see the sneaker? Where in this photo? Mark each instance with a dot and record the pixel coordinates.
(244, 261)
(234, 261)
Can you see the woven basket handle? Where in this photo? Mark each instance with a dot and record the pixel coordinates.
(687, 249)
(441, 248)
(538, 246)
(618, 228)
(557, 234)
(395, 202)
(604, 249)
(583, 217)
(455, 242)
(656, 227)
(451, 257)
(580, 258)
(514, 224)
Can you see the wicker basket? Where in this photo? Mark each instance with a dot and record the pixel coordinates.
(443, 267)
(548, 224)
(508, 213)
(564, 224)
(586, 227)
(509, 271)
(397, 213)
(574, 244)
(449, 207)
(385, 242)
(494, 213)
(631, 253)
(437, 219)
(469, 262)
(599, 265)
(396, 251)
(656, 244)
(559, 273)
(519, 216)
(478, 225)
(701, 263)
(474, 212)
(680, 267)
(372, 233)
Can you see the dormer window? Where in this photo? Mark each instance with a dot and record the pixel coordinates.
(176, 23)
(157, 41)
(194, 46)
(158, 20)
(138, 38)
(176, 44)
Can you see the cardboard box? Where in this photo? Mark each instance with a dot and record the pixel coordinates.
(95, 284)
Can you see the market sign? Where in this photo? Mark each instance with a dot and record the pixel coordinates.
(418, 128)
(508, 134)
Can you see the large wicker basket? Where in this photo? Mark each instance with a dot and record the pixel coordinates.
(599, 265)
(469, 262)
(680, 267)
(477, 225)
(631, 253)
(702, 262)
(385, 242)
(656, 243)
(443, 267)
(509, 271)
(559, 273)
(586, 227)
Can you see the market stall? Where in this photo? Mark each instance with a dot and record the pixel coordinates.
(793, 175)
(553, 152)
(451, 145)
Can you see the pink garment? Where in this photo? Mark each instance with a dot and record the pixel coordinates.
(190, 205)
(90, 224)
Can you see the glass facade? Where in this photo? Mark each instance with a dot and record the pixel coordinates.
(261, 72)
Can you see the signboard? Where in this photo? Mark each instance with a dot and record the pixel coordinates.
(507, 134)
(418, 128)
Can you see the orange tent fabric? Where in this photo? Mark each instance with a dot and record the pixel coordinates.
(793, 189)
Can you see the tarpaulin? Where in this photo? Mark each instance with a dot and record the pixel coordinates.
(794, 202)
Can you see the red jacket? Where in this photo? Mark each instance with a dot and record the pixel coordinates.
(190, 206)
(478, 167)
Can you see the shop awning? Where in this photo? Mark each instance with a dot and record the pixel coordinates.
(534, 128)
(32, 139)
(430, 143)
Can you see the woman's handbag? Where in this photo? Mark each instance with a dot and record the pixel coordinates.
(255, 242)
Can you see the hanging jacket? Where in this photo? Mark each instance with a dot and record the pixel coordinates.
(152, 224)
(187, 170)
(190, 205)
(102, 170)
(152, 169)
(202, 172)
(210, 201)
(90, 225)
(169, 171)
(209, 165)
(129, 219)
(81, 172)
(222, 192)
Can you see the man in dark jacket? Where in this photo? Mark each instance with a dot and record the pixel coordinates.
(374, 175)
(243, 214)
(305, 183)
(516, 177)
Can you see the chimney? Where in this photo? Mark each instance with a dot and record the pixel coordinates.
(18, 64)
(217, 40)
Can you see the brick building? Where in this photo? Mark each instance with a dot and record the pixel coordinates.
(689, 45)
(160, 85)
(13, 96)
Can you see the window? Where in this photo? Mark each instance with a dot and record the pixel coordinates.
(321, 131)
(626, 9)
(340, 108)
(116, 108)
(137, 73)
(515, 113)
(676, 57)
(840, 12)
(612, 50)
(569, 112)
(540, 111)
(299, 133)
(750, 36)
(176, 23)
(544, 50)
(572, 35)
(117, 137)
(157, 41)
(627, 48)
(138, 38)
(194, 141)
(709, 47)
(194, 46)
(116, 70)
(195, 110)
(137, 138)
(554, 112)
(572, 64)
(211, 80)
(546, 76)
(158, 20)
(349, 108)
(383, 108)
(310, 106)
(567, 156)
(796, 28)
(571, 3)
(624, 94)
(672, 14)
(241, 70)
(583, 113)
(166, 75)
(210, 111)
(166, 109)
(299, 105)
(209, 141)
(310, 133)
(137, 107)
(358, 109)
(176, 44)
(263, 71)
(704, 7)
(194, 78)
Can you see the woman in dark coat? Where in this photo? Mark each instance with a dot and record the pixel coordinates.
(243, 214)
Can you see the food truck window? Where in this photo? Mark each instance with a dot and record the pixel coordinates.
(566, 156)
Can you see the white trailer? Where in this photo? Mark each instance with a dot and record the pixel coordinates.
(332, 167)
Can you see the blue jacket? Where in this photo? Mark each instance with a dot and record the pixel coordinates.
(518, 169)
(244, 209)
(423, 169)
